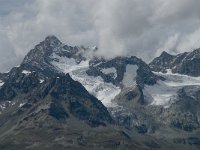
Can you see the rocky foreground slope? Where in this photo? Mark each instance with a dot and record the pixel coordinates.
(67, 97)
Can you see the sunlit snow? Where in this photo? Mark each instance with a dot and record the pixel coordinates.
(1, 83)
(26, 72)
(41, 80)
(22, 104)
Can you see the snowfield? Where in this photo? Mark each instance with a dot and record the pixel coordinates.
(164, 93)
(67, 65)
(160, 94)
(1, 83)
(178, 79)
(105, 92)
(26, 72)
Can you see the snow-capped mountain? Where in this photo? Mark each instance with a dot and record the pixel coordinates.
(71, 86)
(53, 57)
(103, 78)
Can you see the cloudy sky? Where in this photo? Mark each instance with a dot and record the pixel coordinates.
(118, 27)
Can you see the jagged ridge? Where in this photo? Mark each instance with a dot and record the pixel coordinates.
(185, 63)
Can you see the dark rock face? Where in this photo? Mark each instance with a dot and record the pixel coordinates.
(161, 63)
(38, 58)
(18, 83)
(7, 93)
(144, 74)
(70, 97)
(194, 141)
(187, 109)
(185, 63)
(57, 111)
(130, 97)
(58, 97)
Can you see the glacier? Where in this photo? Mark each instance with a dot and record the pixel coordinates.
(164, 93)
(96, 86)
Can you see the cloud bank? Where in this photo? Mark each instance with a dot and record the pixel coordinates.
(129, 27)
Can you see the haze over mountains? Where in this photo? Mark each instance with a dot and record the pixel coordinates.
(134, 27)
(67, 97)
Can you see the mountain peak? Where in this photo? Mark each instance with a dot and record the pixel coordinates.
(50, 37)
(184, 63)
(165, 54)
(52, 40)
(195, 53)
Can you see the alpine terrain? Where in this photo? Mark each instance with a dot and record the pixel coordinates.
(65, 97)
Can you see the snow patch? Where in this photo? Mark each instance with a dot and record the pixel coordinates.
(96, 64)
(22, 104)
(130, 75)
(41, 80)
(6, 104)
(93, 48)
(3, 106)
(1, 83)
(67, 65)
(175, 79)
(111, 70)
(160, 94)
(26, 72)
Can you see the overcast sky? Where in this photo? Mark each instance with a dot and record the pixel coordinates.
(118, 27)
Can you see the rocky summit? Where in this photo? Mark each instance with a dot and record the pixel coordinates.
(68, 97)
(185, 63)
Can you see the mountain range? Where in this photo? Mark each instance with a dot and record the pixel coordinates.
(65, 97)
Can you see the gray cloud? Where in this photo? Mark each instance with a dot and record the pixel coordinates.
(129, 27)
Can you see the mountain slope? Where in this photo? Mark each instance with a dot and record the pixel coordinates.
(185, 63)
(59, 113)
(99, 76)
(62, 95)
(67, 97)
